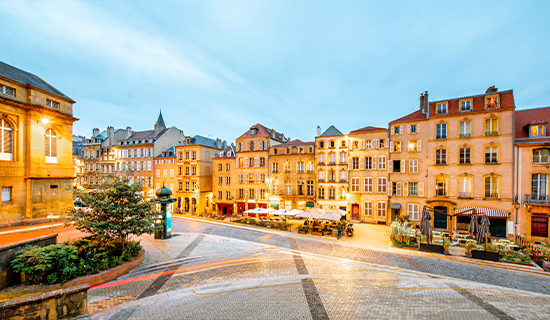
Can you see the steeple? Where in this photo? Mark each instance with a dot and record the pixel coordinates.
(160, 120)
(159, 125)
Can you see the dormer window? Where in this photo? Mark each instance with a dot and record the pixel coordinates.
(52, 104)
(7, 90)
(287, 150)
(538, 130)
(465, 105)
(492, 102)
(441, 108)
(253, 131)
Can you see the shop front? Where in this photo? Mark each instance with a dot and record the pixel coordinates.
(225, 209)
(497, 218)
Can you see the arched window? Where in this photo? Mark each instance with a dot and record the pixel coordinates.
(6, 140)
(51, 146)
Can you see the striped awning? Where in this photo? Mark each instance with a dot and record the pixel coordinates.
(491, 213)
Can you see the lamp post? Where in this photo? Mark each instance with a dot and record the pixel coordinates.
(163, 226)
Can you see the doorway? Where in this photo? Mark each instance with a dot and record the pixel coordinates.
(355, 212)
(440, 219)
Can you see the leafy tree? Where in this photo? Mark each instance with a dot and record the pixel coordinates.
(115, 210)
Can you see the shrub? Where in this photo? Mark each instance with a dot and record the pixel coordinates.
(252, 221)
(302, 228)
(469, 246)
(399, 244)
(446, 244)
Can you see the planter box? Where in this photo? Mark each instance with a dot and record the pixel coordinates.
(431, 248)
(302, 231)
(546, 266)
(316, 233)
(485, 255)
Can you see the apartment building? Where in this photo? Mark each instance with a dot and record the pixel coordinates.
(99, 155)
(224, 181)
(332, 169)
(165, 169)
(194, 178)
(368, 193)
(252, 160)
(292, 175)
(36, 162)
(532, 167)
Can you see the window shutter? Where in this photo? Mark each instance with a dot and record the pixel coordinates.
(409, 128)
(390, 187)
(349, 163)
(54, 146)
(390, 166)
(398, 188)
(237, 162)
(254, 145)
(362, 163)
(257, 161)
(373, 163)
(256, 178)
(362, 144)
(421, 189)
(405, 188)
(403, 166)
(392, 146)
(400, 129)
(419, 145)
(418, 128)
(387, 144)
(246, 162)
(392, 130)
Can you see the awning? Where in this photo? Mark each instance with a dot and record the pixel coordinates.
(491, 213)
(396, 206)
(274, 205)
(310, 204)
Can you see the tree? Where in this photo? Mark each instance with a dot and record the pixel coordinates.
(115, 210)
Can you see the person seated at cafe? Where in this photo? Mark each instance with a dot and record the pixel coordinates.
(306, 223)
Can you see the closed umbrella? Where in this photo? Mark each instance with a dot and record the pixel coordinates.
(474, 227)
(425, 223)
(484, 230)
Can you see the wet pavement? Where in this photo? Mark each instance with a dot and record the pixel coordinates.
(210, 271)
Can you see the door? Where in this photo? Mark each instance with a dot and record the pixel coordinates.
(224, 210)
(355, 212)
(498, 227)
(440, 219)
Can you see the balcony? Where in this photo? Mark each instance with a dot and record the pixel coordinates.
(321, 180)
(310, 171)
(491, 133)
(322, 163)
(465, 135)
(300, 171)
(343, 180)
(491, 195)
(537, 199)
(288, 171)
(275, 171)
(332, 163)
(491, 162)
(464, 194)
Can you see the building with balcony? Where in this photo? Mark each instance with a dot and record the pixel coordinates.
(224, 181)
(532, 167)
(99, 155)
(368, 191)
(252, 160)
(292, 175)
(36, 161)
(194, 173)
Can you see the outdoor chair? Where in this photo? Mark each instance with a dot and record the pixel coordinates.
(505, 241)
(437, 240)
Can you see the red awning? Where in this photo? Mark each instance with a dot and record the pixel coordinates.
(491, 213)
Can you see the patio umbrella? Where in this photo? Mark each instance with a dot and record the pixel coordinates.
(339, 212)
(280, 212)
(293, 212)
(312, 213)
(484, 230)
(330, 216)
(474, 227)
(425, 223)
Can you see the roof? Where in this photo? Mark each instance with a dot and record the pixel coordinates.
(263, 132)
(524, 118)
(141, 134)
(160, 120)
(225, 153)
(198, 139)
(30, 79)
(331, 131)
(368, 128)
(102, 135)
(417, 115)
(294, 143)
(168, 153)
(478, 102)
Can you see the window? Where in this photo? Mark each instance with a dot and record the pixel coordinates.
(440, 156)
(395, 146)
(262, 162)
(537, 130)
(396, 188)
(332, 158)
(310, 187)
(227, 180)
(539, 186)
(413, 188)
(180, 156)
(465, 129)
(413, 166)
(381, 209)
(368, 144)
(491, 184)
(194, 155)
(368, 208)
(193, 171)
(7, 90)
(465, 187)
(287, 167)
(158, 173)
(186, 171)
(331, 194)
(368, 185)
(413, 128)
(491, 155)
(220, 167)
(301, 187)
(241, 194)
(382, 163)
(275, 167)
(368, 163)
(395, 130)
(354, 184)
(180, 186)
(228, 195)
(492, 102)
(251, 194)
(321, 176)
(6, 194)
(465, 154)
(251, 145)
(413, 210)
(187, 186)
(52, 104)
(194, 186)
(466, 106)
(541, 156)
(382, 185)
(354, 163)
(240, 178)
(251, 162)
(343, 158)
(321, 193)
(227, 167)
(186, 155)
(300, 167)
(491, 127)
(332, 144)
(6, 138)
(164, 173)
(343, 176)
(441, 131)
(440, 186)
(51, 146)
(220, 180)
(220, 195)
(396, 165)
(321, 158)
(441, 108)
(321, 144)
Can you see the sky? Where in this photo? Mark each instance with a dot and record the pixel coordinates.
(215, 68)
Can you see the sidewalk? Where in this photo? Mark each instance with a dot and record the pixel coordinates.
(23, 233)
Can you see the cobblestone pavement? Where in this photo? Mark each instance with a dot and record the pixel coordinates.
(216, 272)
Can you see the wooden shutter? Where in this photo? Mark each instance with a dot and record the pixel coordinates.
(390, 165)
(398, 188)
(418, 128)
(400, 129)
(47, 141)
(421, 189)
(409, 128)
(237, 162)
(405, 188)
(349, 163)
(362, 144)
(392, 130)
(373, 164)
(254, 145)
(403, 166)
(389, 187)
(392, 146)
(257, 161)
(362, 163)
(387, 144)
(419, 145)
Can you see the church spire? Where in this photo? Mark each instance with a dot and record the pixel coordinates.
(160, 120)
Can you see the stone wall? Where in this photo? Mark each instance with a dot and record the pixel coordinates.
(59, 304)
(7, 254)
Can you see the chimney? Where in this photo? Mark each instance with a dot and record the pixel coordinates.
(218, 143)
(158, 128)
(111, 135)
(224, 144)
(424, 102)
(319, 128)
(491, 89)
(95, 132)
(128, 132)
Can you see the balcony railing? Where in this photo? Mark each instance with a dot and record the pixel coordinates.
(288, 171)
(275, 171)
(343, 180)
(321, 163)
(465, 135)
(310, 171)
(331, 197)
(321, 180)
(331, 180)
(491, 161)
(491, 133)
(537, 199)
(332, 163)
(464, 194)
(492, 195)
(300, 171)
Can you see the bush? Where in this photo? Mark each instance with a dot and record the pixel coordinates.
(401, 231)
(469, 247)
(399, 244)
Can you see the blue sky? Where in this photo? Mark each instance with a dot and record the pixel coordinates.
(217, 67)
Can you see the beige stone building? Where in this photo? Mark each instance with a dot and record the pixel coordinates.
(532, 169)
(368, 193)
(332, 169)
(194, 177)
(224, 181)
(252, 186)
(99, 155)
(292, 175)
(165, 169)
(36, 162)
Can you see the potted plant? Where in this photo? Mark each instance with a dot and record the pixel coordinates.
(446, 245)
(315, 231)
(486, 252)
(469, 246)
(251, 221)
(302, 229)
